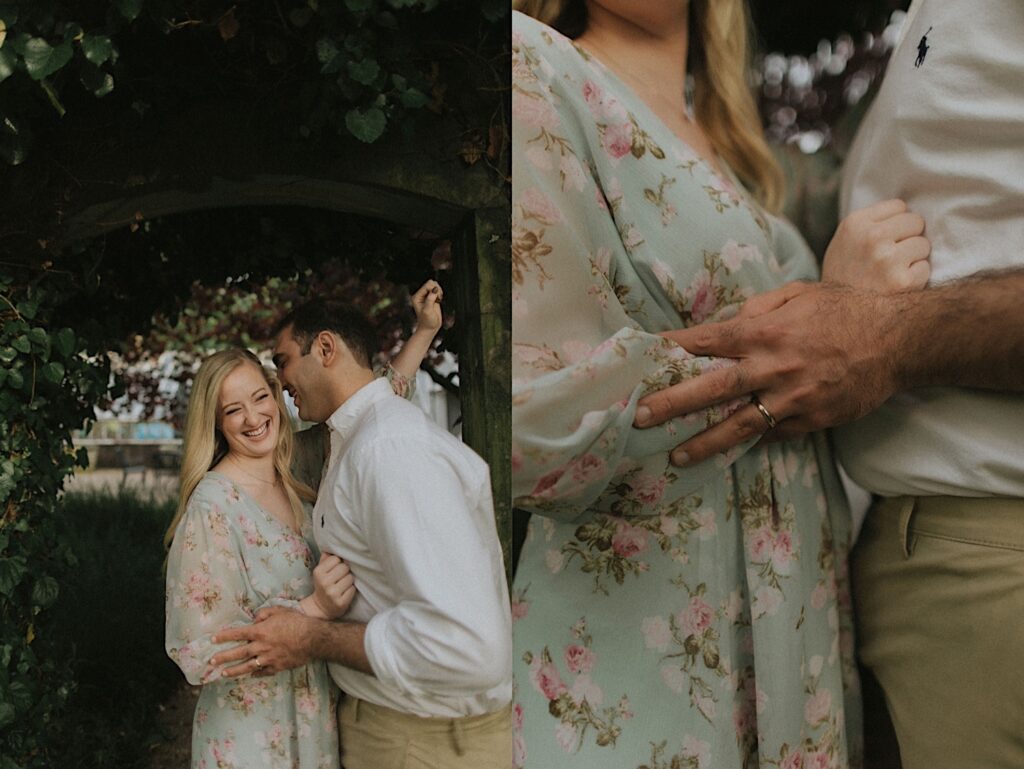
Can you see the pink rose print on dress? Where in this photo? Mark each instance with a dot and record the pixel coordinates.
(696, 748)
(668, 525)
(518, 741)
(537, 205)
(533, 111)
(520, 609)
(648, 489)
(701, 297)
(782, 552)
(817, 760)
(547, 680)
(546, 483)
(628, 541)
(817, 708)
(568, 736)
(696, 618)
(201, 593)
(585, 690)
(733, 255)
(617, 140)
(307, 702)
(592, 95)
(760, 545)
(579, 659)
(794, 759)
(818, 597)
(657, 633)
(588, 468)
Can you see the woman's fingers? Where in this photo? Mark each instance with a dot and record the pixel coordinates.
(427, 293)
(901, 226)
(883, 209)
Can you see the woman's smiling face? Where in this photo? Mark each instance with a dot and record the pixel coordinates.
(247, 413)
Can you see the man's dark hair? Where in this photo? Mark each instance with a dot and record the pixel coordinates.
(309, 319)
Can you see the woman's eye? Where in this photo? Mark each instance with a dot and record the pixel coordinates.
(262, 397)
(229, 413)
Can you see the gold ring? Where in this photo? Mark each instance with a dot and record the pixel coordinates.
(764, 412)
(257, 661)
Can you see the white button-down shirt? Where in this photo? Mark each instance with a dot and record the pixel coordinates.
(409, 507)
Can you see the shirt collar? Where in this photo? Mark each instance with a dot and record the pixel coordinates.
(349, 412)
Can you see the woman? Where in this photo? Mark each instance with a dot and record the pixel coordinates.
(241, 541)
(665, 617)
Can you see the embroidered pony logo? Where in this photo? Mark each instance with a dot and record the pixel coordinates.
(922, 49)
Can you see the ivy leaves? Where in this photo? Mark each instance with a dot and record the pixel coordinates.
(371, 63)
(366, 126)
(369, 72)
(47, 387)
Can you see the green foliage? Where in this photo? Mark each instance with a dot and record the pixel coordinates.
(52, 52)
(47, 387)
(112, 613)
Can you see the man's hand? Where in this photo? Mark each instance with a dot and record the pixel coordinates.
(815, 355)
(276, 641)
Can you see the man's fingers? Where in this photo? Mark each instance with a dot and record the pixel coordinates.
(233, 654)
(245, 669)
(788, 430)
(759, 304)
(243, 633)
(744, 425)
(718, 386)
(265, 614)
(718, 339)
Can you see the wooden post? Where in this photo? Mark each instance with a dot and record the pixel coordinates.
(481, 253)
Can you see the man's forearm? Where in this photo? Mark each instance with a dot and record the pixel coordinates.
(340, 642)
(968, 333)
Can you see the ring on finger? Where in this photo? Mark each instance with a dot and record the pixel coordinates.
(764, 412)
(257, 661)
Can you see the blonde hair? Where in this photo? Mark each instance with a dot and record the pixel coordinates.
(205, 445)
(723, 101)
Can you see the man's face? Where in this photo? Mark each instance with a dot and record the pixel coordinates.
(303, 376)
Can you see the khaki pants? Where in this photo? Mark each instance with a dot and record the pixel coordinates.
(375, 737)
(939, 589)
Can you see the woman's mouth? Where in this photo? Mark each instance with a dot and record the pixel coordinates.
(257, 433)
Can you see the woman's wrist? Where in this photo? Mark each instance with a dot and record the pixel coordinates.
(311, 608)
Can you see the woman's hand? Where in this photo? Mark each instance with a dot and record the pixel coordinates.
(426, 303)
(333, 589)
(881, 248)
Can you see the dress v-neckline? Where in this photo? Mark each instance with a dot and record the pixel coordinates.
(252, 500)
(623, 89)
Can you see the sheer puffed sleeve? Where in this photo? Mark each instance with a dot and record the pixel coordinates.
(580, 359)
(208, 588)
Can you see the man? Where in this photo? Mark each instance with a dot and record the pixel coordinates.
(939, 570)
(424, 654)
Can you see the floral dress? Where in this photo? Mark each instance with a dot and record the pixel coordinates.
(665, 618)
(229, 559)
